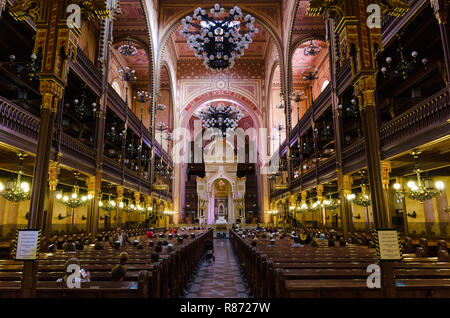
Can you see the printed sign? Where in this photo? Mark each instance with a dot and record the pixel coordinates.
(388, 245)
(27, 245)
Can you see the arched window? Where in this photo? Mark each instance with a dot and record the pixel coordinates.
(325, 84)
(115, 84)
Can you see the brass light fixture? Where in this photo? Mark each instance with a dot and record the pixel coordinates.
(16, 190)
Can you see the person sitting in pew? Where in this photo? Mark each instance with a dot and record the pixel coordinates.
(297, 242)
(69, 246)
(304, 237)
(123, 258)
(99, 244)
(70, 267)
(118, 273)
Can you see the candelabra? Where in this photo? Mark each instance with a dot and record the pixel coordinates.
(28, 69)
(312, 49)
(297, 98)
(114, 134)
(127, 75)
(80, 109)
(311, 75)
(404, 66)
(161, 107)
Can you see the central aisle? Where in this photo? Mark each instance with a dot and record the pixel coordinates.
(221, 278)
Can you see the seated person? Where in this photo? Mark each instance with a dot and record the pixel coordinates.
(169, 248)
(154, 257)
(123, 258)
(99, 244)
(297, 242)
(79, 246)
(69, 246)
(71, 267)
(149, 234)
(118, 273)
(304, 237)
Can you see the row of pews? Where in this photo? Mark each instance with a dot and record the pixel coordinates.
(144, 278)
(281, 271)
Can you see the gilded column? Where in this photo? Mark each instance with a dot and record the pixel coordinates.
(120, 204)
(52, 182)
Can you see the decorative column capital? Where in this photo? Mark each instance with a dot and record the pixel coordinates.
(440, 10)
(53, 174)
(385, 170)
(52, 92)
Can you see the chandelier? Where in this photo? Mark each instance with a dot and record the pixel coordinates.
(127, 49)
(312, 49)
(218, 39)
(331, 204)
(28, 69)
(73, 200)
(80, 109)
(417, 190)
(161, 107)
(114, 134)
(404, 66)
(220, 118)
(16, 190)
(361, 200)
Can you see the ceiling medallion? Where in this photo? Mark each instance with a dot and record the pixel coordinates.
(219, 38)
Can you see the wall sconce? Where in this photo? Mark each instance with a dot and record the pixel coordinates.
(60, 217)
(27, 215)
(83, 217)
(357, 216)
(412, 215)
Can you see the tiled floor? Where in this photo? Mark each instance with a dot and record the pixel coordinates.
(221, 278)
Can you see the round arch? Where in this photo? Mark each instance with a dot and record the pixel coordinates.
(222, 95)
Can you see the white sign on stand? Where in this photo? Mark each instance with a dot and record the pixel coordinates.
(388, 245)
(27, 245)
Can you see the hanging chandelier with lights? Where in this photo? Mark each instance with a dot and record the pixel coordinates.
(74, 200)
(16, 190)
(220, 118)
(419, 191)
(127, 48)
(312, 49)
(218, 38)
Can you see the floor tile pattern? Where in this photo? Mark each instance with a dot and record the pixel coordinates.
(221, 278)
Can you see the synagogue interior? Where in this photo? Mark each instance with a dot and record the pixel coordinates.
(239, 149)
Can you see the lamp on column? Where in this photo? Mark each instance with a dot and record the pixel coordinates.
(297, 98)
(310, 75)
(127, 75)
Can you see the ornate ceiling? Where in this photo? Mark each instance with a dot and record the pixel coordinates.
(304, 23)
(131, 23)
